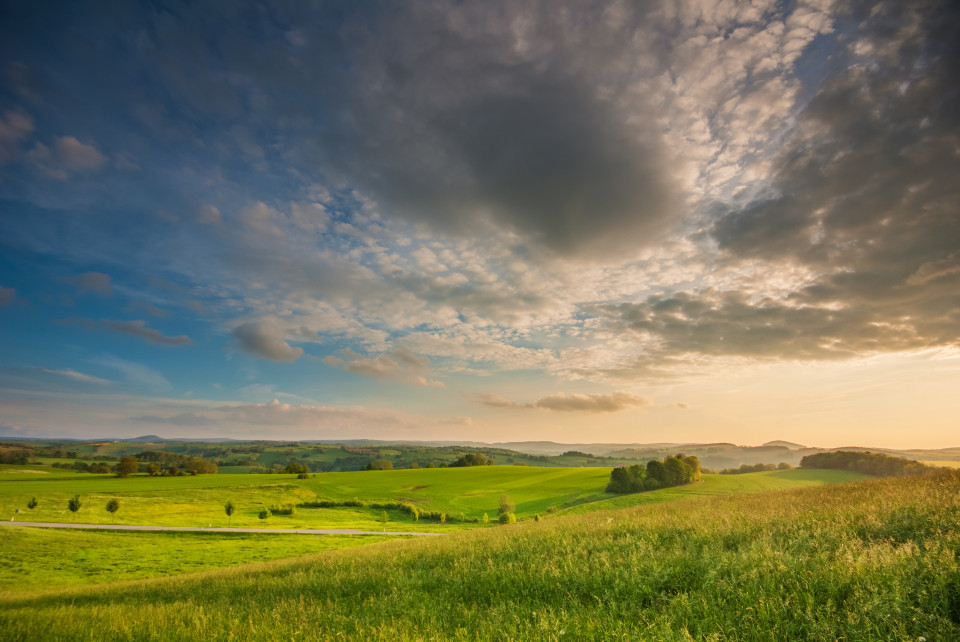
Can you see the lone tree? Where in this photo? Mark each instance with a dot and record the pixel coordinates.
(384, 518)
(127, 466)
(32, 503)
(264, 513)
(112, 507)
(74, 504)
(229, 509)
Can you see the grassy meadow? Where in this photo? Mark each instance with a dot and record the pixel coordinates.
(458, 492)
(38, 559)
(872, 560)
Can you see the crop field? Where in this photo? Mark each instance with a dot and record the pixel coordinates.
(861, 561)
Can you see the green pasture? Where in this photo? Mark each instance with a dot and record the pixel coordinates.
(872, 560)
(33, 559)
(717, 485)
(468, 492)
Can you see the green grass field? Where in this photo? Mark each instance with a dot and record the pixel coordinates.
(470, 492)
(874, 560)
(37, 559)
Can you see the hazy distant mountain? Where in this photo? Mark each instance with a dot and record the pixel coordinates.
(554, 448)
(786, 444)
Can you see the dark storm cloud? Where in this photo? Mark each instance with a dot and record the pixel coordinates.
(864, 199)
(451, 123)
(446, 113)
(870, 182)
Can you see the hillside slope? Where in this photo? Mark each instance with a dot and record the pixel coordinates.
(865, 560)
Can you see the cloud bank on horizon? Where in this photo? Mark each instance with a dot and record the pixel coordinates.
(426, 219)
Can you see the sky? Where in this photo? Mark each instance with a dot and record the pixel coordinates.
(629, 222)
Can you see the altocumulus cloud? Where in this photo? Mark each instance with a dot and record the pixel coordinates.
(595, 403)
(400, 364)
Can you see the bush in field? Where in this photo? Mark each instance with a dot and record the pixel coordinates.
(472, 459)
(405, 507)
(508, 518)
(112, 507)
(74, 504)
(32, 503)
(283, 509)
(264, 513)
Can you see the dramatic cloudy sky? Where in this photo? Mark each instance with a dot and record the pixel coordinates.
(655, 221)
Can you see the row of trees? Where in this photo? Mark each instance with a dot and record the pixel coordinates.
(865, 462)
(672, 471)
(755, 468)
(74, 504)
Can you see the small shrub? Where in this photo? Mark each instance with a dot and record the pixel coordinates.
(284, 509)
(508, 518)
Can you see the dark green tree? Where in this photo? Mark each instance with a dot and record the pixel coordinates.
(112, 507)
(264, 513)
(127, 466)
(229, 509)
(74, 504)
(32, 503)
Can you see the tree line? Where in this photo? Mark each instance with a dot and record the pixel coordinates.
(672, 471)
(755, 468)
(866, 462)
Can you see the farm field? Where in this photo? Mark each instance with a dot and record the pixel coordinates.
(867, 560)
(44, 558)
(461, 493)
(34, 559)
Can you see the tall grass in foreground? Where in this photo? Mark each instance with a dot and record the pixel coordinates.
(873, 560)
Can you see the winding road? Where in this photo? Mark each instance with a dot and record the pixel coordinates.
(200, 529)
